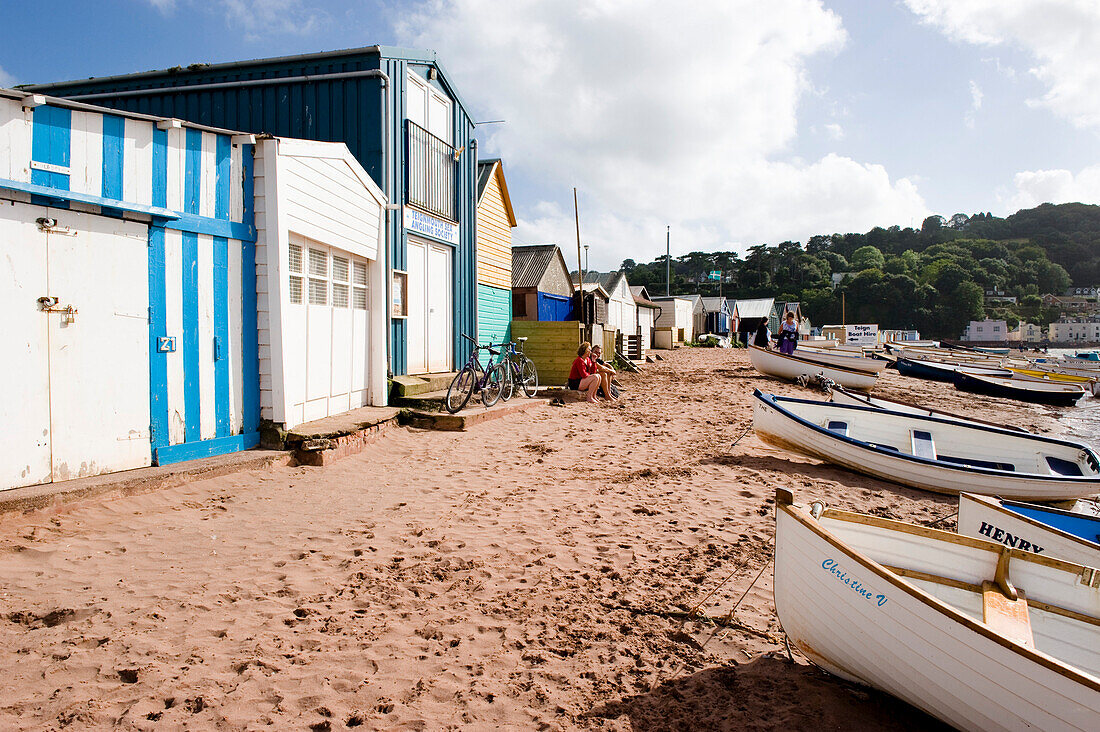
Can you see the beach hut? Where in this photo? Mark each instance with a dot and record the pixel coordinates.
(675, 318)
(495, 221)
(646, 312)
(622, 315)
(750, 313)
(541, 288)
(698, 315)
(401, 116)
(128, 290)
(320, 240)
(718, 316)
(595, 315)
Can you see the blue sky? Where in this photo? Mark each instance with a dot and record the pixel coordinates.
(736, 122)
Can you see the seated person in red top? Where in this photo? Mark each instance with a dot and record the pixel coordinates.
(583, 376)
(604, 370)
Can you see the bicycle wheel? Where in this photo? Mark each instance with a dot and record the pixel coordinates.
(494, 380)
(509, 386)
(460, 390)
(529, 377)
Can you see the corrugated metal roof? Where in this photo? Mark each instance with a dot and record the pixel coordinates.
(713, 304)
(529, 263)
(608, 280)
(759, 308)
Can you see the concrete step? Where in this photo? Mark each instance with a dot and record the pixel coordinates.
(471, 415)
(404, 386)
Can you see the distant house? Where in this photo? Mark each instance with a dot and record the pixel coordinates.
(1030, 333)
(1075, 330)
(495, 220)
(750, 313)
(541, 289)
(997, 296)
(719, 318)
(986, 330)
(1069, 304)
(1083, 292)
(838, 277)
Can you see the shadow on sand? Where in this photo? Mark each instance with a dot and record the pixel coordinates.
(768, 693)
(826, 472)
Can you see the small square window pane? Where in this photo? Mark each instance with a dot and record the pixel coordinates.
(295, 258)
(360, 299)
(360, 274)
(339, 295)
(318, 263)
(339, 269)
(296, 290)
(318, 292)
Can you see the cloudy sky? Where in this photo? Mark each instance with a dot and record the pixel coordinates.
(735, 122)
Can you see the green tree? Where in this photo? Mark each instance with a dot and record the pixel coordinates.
(867, 257)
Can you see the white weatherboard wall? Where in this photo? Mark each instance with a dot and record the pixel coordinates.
(143, 226)
(321, 288)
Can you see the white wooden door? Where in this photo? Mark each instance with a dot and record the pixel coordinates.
(99, 358)
(79, 403)
(24, 369)
(440, 299)
(416, 325)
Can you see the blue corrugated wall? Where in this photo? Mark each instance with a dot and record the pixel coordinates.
(494, 314)
(340, 110)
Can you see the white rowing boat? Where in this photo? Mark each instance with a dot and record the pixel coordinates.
(840, 395)
(980, 636)
(930, 453)
(1031, 528)
(854, 361)
(790, 368)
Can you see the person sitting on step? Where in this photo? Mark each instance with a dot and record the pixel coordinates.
(583, 375)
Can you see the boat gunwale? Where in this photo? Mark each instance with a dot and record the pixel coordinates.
(1066, 389)
(854, 372)
(769, 399)
(931, 412)
(802, 516)
(996, 504)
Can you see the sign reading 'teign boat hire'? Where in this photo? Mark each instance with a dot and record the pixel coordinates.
(861, 335)
(422, 223)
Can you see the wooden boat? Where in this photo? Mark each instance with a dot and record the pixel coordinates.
(1032, 528)
(1089, 383)
(980, 636)
(1037, 392)
(840, 395)
(835, 357)
(781, 366)
(941, 371)
(930, 453)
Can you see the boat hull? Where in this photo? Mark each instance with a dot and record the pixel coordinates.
(856, 619)
(789, 368)
(1022, 392)
(840, 396)
(853, 362)
(989, 518)
(780, 429)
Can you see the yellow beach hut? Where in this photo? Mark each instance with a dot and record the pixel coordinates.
(495, 220)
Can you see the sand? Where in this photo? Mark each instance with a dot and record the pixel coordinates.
(536, 572)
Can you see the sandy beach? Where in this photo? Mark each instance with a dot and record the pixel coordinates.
(537, 572)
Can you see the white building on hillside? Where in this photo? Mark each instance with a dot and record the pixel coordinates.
(986, 330)
(1075, 330)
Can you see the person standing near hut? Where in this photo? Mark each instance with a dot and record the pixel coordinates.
(762, 338)
(788, 335)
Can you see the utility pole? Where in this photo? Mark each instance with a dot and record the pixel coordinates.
(586, 257)
(580, 267)
(668, 262)
(843, 309)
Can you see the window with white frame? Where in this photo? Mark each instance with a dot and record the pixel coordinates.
(327, 276)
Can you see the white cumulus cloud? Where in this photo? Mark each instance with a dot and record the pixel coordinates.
(1033, 187)
(6, 79)
(1063, 36)
(659, 113)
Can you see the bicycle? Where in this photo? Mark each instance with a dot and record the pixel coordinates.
(468, 380)
(518, 369)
